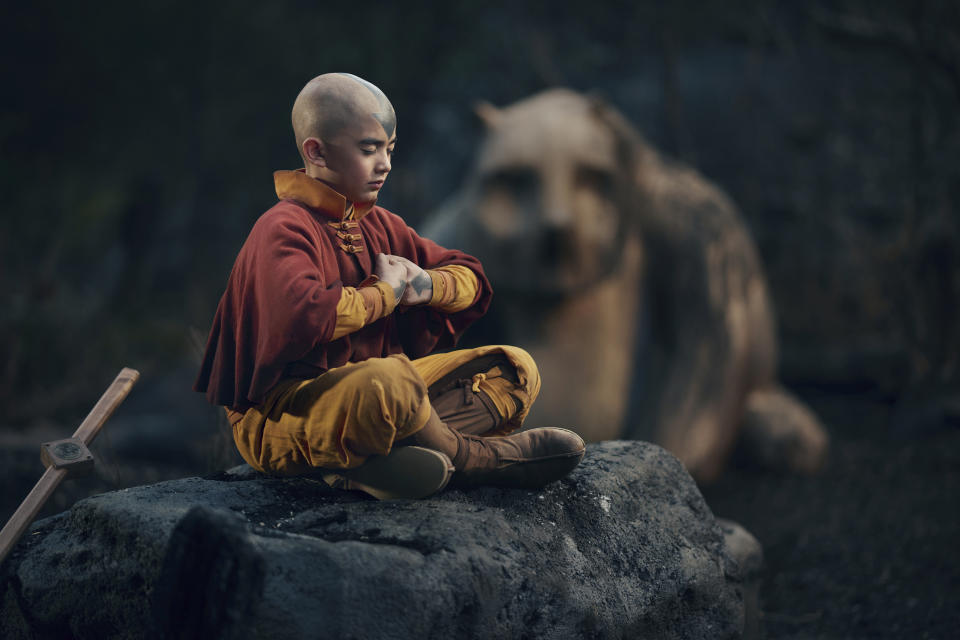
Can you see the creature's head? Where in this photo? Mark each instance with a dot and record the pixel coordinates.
(552, 192)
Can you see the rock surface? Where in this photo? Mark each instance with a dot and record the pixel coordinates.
(623, 547)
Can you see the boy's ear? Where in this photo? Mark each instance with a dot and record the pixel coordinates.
(314, 153)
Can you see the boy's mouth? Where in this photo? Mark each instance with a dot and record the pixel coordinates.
(376, 183)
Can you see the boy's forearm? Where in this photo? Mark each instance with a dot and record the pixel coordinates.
(451, 288)
(360, 307)
(379, 299)
(454, 287)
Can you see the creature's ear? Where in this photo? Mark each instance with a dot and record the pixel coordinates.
(631, 145)
(488, 114)
(612, 118)
(597, 99)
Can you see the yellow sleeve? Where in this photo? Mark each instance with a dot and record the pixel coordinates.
(454, 287)
(360, 307)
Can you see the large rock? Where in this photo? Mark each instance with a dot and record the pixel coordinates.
(623, 547)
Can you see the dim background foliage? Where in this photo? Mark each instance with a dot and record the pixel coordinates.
(138, 141)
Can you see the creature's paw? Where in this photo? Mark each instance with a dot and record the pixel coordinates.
(781, 432)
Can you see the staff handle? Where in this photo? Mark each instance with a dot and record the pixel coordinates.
(88, 430)
(115, 394)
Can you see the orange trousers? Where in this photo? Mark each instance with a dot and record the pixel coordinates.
(341, 417)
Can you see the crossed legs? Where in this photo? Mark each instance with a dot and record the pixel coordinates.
(377, 426)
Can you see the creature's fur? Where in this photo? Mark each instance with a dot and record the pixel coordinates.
(632, 281)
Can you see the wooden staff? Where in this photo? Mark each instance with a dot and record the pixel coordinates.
(63, 456)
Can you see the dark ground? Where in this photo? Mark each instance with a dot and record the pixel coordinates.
(867, 549)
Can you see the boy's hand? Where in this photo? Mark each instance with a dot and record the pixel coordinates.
(418, 287)
(394, 273)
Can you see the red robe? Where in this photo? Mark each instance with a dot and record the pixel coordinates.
(277, 315)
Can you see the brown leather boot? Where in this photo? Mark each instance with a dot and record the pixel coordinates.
(525, 460)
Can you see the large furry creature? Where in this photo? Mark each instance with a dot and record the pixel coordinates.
(634, 284)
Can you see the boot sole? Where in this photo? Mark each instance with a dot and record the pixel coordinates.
(406, 473)
(536, 474)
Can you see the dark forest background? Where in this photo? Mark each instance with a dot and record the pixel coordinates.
(138, 142)
(139, 139)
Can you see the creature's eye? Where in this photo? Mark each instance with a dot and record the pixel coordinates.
(595, 179)
(519, 181)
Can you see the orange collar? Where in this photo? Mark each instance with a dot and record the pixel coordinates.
(297, 185)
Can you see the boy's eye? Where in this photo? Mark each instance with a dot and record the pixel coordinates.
(368, 151)
(391, 151)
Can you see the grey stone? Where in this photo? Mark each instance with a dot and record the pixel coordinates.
(623, 547)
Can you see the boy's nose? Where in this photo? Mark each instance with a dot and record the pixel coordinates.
(384, 163)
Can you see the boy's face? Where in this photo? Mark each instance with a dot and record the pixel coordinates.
(358, 159)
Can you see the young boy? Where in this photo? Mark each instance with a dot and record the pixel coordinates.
(320, 345)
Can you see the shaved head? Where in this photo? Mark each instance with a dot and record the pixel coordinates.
(330, 102)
